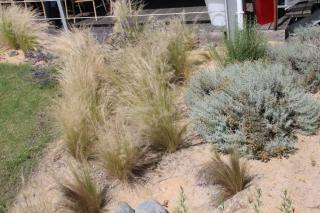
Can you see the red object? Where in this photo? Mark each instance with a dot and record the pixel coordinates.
(264, 11)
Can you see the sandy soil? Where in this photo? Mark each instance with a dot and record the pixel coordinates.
(299, 174)
(5, 58)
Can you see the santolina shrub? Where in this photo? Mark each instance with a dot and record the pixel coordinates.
(303, 59)
(308, 35)
(253, 107)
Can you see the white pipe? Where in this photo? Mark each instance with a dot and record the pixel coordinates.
(240, 14)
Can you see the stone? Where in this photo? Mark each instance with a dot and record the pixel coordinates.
(13, 53)
(150, 206)
(39, 74)
(123, 207)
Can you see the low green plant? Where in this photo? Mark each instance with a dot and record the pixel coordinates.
(301, 58)
(232, 176)
(258, 202)
(182, 207)
(286, 205)
(81, 194)
(19, 28)
(221, 207)
(243, 45)
(253, 106)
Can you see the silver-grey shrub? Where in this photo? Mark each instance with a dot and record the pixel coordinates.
(304, 59)
(308, 34)
(253, 106)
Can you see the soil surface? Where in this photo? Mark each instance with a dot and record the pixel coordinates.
(299, 174)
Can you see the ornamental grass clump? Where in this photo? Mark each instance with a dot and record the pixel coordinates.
(233, 176)
(150, 103)
(77, 110)
(254, 107)
(19, 28)
(143, 81)
(181, 41)
(81, 194)
(118, 153)
(127, 25)
(303, 59)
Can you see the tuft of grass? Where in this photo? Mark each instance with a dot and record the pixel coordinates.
(19, 28)
(24, 130)
(81, 194)
(147, 97)
(181, 42)
(127, 21)
(77, 109)
(244, 45)
(118, 154)
(232, 176)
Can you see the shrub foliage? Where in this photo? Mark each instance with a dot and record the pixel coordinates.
(253, 107)
(303, 59)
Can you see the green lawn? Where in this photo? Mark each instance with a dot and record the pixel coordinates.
(24, 129)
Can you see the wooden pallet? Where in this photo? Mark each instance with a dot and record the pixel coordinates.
(303, 9)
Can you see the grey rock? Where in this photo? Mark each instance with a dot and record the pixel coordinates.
(13, 53)
(150, 206)
(39, 74)
(123, 207)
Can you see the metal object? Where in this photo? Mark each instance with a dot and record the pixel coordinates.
(61, 12)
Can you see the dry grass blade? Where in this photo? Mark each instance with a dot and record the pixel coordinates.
(232, 176)
(81, 194)
(19, 28)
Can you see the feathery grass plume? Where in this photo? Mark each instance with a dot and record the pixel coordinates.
(245, 45)
(256, 107)
(304, 61)
(181, 40)
(118, 153)
(127, 20)
(78, 108)
(19, 28)
(81, 194)
(232, 176)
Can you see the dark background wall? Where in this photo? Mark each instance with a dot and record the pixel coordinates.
(152, 4)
